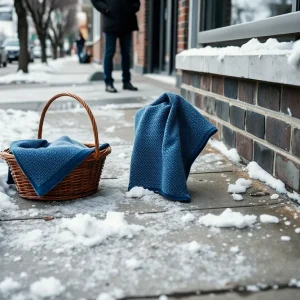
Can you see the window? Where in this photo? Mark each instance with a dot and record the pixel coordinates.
(232, 20)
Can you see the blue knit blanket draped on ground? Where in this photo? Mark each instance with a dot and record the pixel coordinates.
(45, 164)
(169, 135)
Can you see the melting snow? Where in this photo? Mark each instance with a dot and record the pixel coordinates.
(8, 286)
(138, 192)
(46, 288)
(240, 186)
(268, 219)
(237, 197)
(228, 218)
(285, 238)
(220, 146)
(189, 217)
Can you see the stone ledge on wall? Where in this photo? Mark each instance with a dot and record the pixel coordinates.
(268, 68)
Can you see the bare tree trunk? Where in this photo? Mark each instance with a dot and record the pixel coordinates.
(61, 50)
(22, 35)
(54, 51)
(42, 37)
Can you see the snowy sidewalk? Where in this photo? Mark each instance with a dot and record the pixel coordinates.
(145, 247)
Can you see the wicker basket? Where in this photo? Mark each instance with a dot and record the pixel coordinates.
(81, 182)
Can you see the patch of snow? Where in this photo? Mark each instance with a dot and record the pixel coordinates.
(285, 238)
(5, 203)
(297, 230)
(287, 223)
(237, 197)
(17, 258)
(274, 197)
(111, 129)
(289, 112)
(163, 297)
(294, 282)
(294, 57)
(256, 172)
(21, 77)
(235, 249)
(23, 275)
(89, 231)
(252, 288)
(192, 247)
(228, 218)
(138, 192)
(105, 296)
(8, 286)
(189, 217)
(252, 47)
(46, 288)
(133, 263)
(240, 186)
(268, 219)
(220, 146)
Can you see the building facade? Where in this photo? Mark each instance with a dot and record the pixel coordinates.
(254, 100)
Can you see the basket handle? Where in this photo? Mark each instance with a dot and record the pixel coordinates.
(83, 103)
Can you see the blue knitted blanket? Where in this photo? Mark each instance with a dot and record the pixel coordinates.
(169, 135)
(45, 164)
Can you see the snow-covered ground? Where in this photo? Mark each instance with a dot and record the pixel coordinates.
(117, 244)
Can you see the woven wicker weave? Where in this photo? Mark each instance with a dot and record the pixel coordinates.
(81, 182)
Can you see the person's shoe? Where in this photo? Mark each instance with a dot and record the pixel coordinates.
(129, 86)
(110, 88)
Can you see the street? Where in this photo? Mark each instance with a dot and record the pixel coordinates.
(9, 69)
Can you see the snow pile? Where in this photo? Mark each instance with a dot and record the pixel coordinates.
(252, 47)
(285, 238)
(274, 197)
(256, 172)
(240, 186)
(294, 57)
(220, 146)
(17, 125)
(294, 282)
(188, 218)
(133, 263)
(192, 247)
(235, 249)
(5, 203)
(268, 219)
(21, 77)
(89, 231)
(228, 218)
(46, 288)
(237, 197)
(8, 286)
(138, 192)
(105, 296)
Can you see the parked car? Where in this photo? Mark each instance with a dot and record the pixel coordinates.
(3, 56)
(12, 48)
(38, 51)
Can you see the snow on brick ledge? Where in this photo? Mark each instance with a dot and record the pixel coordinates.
(271, 61)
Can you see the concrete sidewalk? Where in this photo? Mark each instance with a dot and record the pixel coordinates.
(159, 260)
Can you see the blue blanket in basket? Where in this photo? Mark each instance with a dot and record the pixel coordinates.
(169, 135)
(45, 164)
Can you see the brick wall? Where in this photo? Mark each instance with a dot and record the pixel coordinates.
(183, 25)
(253, 117)
(183, 32)
(140, 39)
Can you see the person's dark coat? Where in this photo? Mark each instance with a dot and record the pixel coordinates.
(118, 15)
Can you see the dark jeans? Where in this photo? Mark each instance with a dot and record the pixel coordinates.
(79, 51)
(110, 49)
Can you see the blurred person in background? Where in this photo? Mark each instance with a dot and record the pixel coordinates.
(119, 21)
(80, 41)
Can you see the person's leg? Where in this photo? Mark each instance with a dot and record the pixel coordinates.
(79, 51)
(125, 44)
(110, 49)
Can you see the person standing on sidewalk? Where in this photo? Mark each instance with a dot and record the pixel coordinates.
(80, 41)
(119, 21)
